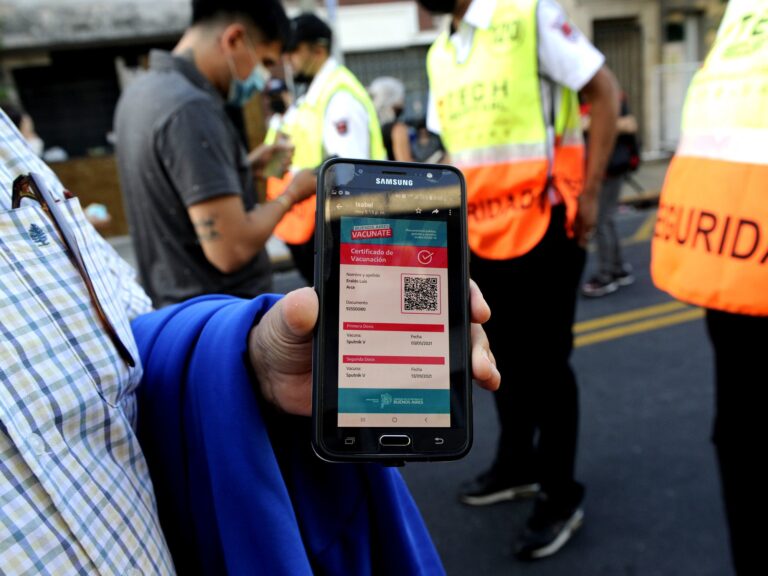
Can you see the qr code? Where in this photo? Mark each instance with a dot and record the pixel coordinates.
(420, 294)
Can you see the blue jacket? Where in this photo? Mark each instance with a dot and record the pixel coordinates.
(239, 490)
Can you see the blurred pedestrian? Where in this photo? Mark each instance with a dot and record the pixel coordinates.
(187, 179)
(503, 84)
(279, 99)
(612, 271)
(26, 126)
(334, 117)
(710, 249)
(426, 146)
(388, 95)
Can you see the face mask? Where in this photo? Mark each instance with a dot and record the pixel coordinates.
(277, 105)
(439, 6)
(241, 91)
(302, 78)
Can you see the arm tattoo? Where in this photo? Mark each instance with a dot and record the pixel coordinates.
(206, 229)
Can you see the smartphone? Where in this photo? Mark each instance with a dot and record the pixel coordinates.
(391, 365)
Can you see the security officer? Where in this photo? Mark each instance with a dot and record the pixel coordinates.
(710, 248)
(335, 117)
(503, 84)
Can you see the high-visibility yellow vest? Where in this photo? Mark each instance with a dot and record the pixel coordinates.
(493, 125)
(710, 245)
(304, 127)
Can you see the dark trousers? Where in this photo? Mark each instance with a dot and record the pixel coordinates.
(609, 257)
(533, 302)
(740, 344)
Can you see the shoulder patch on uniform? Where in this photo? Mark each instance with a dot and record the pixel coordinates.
(342, 127)
(566, 28)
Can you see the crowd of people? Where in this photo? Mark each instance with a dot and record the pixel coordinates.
(160, 425)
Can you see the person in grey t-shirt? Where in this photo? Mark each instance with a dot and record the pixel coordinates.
(186, 177)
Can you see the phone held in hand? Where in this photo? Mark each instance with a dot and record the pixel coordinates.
(277, 165)
(391, 356)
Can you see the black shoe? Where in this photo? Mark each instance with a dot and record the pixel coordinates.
(625, 277)
(491, 487)
(599, 285)
(548, 529)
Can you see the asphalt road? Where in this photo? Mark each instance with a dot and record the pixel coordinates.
(653, 505)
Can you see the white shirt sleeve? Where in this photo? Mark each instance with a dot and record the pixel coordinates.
(566, 56)
(433, 120)
(345, 127)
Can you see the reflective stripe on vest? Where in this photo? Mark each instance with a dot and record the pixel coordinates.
(710, 245)
(304, 126)
(492, 121)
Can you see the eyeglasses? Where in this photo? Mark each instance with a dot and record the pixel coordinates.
(31, 186)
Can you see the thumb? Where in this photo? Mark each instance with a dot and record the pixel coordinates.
(297, 315)
(280, 342)
(280, 348)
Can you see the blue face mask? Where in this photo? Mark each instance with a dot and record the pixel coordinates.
(241, 91)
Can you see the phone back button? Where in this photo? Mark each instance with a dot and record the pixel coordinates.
(395, 440)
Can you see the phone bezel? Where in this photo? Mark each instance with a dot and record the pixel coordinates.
(328, 438)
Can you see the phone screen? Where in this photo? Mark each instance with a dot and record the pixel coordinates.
(394, 301)
(394, 356)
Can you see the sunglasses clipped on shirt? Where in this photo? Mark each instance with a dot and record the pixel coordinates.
(33, 187)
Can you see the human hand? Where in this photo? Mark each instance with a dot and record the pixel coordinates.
(586, 218)
(280, 350)
(271, 159)
(302, 186)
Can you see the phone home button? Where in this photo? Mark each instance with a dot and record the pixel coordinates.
(400, 440)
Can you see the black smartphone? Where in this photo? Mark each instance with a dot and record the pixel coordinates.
(391, 357)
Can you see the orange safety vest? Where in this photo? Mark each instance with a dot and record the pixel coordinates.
(298, 224)
(710, 245)
(492, 123)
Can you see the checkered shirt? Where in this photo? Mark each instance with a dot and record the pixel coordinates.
(75, 493)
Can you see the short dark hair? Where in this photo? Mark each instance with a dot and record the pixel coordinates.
(307, 27)
(266, 15)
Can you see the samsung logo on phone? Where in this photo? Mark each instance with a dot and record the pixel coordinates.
(394, 182)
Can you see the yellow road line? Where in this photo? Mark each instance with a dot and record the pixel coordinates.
(642, 234)
(623, 317)
(638, 327)
(645, 231)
